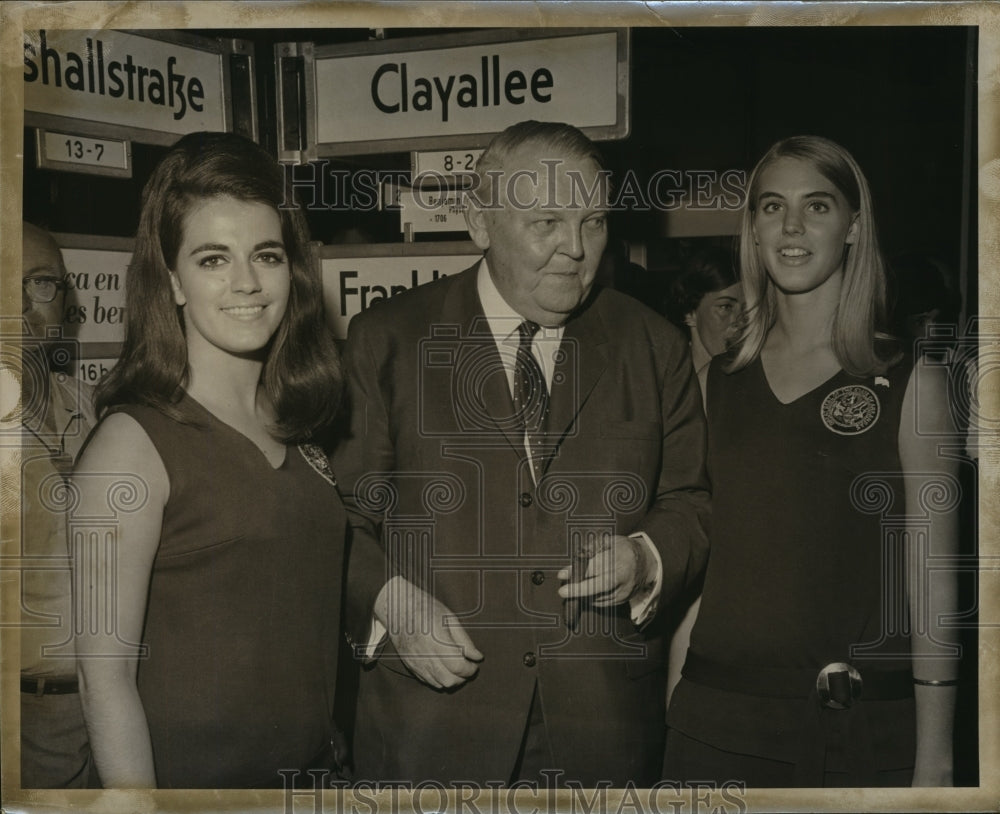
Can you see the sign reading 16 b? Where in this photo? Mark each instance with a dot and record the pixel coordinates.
(91, 372)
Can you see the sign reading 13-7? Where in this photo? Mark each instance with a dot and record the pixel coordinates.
(66, 151)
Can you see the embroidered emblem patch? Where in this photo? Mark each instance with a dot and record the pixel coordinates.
(317, 459)
(850, 410)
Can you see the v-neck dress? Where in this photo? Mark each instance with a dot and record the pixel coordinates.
(243, 614)
(804, 571)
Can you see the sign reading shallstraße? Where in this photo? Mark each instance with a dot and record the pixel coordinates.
(123, 79)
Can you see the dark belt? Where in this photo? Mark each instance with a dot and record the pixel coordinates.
(833, 691)
(49, 686)
(840, 682)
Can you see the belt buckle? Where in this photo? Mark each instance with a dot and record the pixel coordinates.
(838, 685)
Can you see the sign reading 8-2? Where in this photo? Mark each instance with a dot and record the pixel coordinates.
(445, 162)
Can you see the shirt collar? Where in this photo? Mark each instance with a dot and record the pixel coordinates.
(502, 319)
(700, 357)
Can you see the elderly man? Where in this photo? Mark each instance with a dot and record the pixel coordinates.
(525, 477)
(56, 417)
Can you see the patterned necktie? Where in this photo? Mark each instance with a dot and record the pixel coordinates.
(531, 396)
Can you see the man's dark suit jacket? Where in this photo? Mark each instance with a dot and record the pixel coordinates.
(439, 490)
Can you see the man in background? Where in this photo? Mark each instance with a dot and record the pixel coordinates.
(56, 416)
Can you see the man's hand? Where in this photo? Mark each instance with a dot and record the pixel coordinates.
(620, 567)
(426, 634)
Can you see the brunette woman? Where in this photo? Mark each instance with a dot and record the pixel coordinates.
(210, 618)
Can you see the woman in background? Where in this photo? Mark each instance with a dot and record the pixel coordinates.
(210, 622)
(827, 503)
(707, 301)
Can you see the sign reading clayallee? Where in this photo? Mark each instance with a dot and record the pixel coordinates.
(454, 90)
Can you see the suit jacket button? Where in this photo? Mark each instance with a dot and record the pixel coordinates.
(537, 577)
(525, 499)
(528, 660)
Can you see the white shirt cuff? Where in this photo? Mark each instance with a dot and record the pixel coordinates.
(375, 637)
(644, 603)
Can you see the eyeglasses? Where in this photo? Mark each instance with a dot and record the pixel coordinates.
(43, 289)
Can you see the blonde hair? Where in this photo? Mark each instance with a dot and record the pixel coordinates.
(861, 311)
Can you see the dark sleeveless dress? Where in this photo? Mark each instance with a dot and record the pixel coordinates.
(243, 614)
(805, 570)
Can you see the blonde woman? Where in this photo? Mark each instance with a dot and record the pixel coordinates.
(800, 671)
